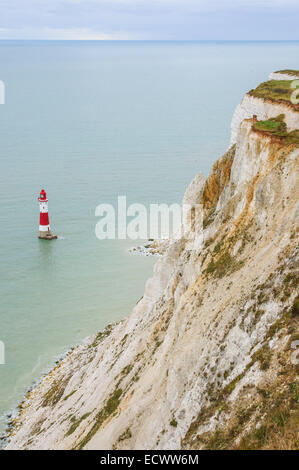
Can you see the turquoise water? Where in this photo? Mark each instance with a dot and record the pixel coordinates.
(89, 121)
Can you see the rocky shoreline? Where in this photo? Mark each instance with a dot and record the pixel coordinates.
(151, 248)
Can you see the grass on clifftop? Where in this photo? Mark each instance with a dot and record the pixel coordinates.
(276, 90)
(277, 127)
(289, 72)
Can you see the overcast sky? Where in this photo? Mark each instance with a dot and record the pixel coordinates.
(150, 19)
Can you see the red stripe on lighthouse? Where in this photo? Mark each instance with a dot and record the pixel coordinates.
(44, 218)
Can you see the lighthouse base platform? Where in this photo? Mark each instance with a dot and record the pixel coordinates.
(46, 235)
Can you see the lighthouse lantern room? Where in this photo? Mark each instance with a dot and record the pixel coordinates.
(44, 224)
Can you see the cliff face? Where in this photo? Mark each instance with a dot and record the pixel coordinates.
(205, 360)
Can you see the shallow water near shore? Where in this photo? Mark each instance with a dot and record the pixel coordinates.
(90, 121)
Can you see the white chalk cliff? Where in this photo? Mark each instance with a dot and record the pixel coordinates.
(206, 354)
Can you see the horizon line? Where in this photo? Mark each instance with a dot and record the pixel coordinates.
(147, 40)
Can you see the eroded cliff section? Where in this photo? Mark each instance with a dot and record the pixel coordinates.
(284, 75)
(205, 360)
(268, 100)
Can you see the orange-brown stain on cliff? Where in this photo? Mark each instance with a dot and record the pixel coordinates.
(217, 180)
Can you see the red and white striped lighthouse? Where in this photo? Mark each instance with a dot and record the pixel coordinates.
(44, 224)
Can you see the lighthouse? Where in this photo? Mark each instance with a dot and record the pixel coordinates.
(44, 224)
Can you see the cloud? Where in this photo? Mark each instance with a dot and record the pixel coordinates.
(64, 34)
(149, 19)
(84, 34)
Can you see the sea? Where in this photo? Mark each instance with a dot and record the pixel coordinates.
(89, 121)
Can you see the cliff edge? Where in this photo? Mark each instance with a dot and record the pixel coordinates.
(207, 357)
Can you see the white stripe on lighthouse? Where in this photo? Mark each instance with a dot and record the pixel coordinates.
(43, 207)
(44, 228)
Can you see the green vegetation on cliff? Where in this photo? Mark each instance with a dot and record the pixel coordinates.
(277, 127)
(275, 90)
(109, 408)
